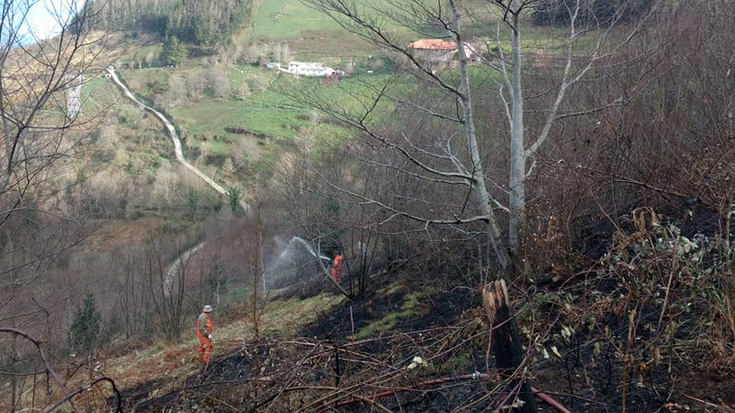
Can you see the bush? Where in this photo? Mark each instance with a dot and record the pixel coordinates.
(85, 330)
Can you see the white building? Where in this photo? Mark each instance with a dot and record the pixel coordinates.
(309, 69)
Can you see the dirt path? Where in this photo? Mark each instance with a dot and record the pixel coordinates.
(179, 157)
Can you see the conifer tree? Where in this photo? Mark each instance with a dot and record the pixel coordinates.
(207, 23)
(174, 52)
(84, 332)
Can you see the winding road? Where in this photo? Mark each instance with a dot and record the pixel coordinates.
(174, 136)
(168, 281)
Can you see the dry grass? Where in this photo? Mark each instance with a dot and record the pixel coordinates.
(117, 234)
(174, 361)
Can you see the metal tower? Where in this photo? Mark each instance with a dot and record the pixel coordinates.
(73, 96)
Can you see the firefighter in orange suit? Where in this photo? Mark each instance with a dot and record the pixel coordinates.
(204, 332)
(337, 267)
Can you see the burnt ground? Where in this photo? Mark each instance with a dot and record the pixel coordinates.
(147, 396)
(279, 374)
(436, 309)
(135, 395)
(584, 385)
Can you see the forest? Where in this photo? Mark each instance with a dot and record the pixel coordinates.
(207, 23)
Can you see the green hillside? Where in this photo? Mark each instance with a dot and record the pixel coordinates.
(312, 36)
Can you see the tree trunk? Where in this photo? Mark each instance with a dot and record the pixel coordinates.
(506, 341)
(517, 181)
(478, 182)
(13, 377)
(256, 267)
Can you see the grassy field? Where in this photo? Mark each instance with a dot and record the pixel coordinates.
(276, 112)
(287, 19)
(279, 108)
(254, 128)
(96, 94)
(313, 35)
(267, 113)
(272, 115)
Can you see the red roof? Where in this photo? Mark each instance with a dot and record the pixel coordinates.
(433, 44)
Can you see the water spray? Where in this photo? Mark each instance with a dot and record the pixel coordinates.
(306, 246)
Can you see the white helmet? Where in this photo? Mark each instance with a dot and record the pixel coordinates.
(207, 309)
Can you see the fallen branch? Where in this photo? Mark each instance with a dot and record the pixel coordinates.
(227, 384)
(475, 376)
(87, 388)
(551, 402)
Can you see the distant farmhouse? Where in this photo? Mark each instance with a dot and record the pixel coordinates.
(311, 69)
(433, 50)
(437, 51)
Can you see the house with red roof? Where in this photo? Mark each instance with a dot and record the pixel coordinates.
(438, 50)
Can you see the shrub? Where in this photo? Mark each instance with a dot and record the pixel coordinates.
(84, 332)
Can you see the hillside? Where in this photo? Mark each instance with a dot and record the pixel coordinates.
(439, 206)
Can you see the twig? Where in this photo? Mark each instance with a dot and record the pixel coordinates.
(474, 376)
(671, 279)
(631, 337)
(41, 353)
(68, 397)
(702, 401)
(352, 321)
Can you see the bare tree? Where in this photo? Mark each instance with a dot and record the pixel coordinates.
(256, 265)
(445, 161)
(218, 83)
(594, 32)
(36, 73)
(168, 285)
(452, 164)
(43, 125)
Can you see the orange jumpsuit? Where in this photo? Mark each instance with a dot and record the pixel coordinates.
(204, 329)
(337, 268)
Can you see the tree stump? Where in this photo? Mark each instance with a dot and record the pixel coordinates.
(505, 340)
